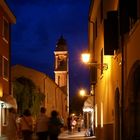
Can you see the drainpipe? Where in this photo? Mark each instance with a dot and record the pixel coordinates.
(121, 46)
(122, 97)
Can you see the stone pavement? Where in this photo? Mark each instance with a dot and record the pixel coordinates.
(75, 135)
(3, 138)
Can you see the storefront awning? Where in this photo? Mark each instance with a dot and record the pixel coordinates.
(8, 101)
(89, 102)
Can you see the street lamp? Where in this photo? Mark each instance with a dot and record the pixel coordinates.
(86, 58)
(82, 93)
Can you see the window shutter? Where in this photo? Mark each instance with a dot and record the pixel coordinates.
(93, 75)
(124, 16)
(111, 34)
(138, 9)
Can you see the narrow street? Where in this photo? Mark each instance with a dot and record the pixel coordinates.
(75, 136)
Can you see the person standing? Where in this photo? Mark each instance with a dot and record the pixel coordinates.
(12, 126)
(69, 119)
(42, 125)
(26, 123)
(54, 126)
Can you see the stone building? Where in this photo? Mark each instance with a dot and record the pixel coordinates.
(6, 100)
(114, 34)
(55, 98)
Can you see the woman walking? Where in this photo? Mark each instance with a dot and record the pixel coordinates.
(42, 125)
(26, 124)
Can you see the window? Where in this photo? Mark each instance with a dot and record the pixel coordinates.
(5, 68)
(101, 11)
(4, 116)
(96, 30)
(101, 114)
(5, 32)
(0, 65)
(101, 61)
(96, 117)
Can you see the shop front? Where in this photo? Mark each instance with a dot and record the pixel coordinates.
(5, 103)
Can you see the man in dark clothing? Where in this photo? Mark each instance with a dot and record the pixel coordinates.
(54, 126)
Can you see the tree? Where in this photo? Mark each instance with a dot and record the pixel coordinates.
(27, 95)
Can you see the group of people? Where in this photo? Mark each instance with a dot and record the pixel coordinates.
(73, 123)
(43, 127)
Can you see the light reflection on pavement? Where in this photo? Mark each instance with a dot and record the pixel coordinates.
(75, 135)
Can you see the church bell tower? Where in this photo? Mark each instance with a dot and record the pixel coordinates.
(61, 70)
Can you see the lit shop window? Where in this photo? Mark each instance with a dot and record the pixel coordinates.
(5, 68)
(5, 30)
(4, 116)
(101, 114)
(96, 117)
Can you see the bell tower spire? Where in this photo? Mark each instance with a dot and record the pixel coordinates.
(61, 69)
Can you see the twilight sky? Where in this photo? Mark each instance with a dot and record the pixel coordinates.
(39, 25)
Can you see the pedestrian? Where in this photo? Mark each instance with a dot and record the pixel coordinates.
(42, 125)
(26, 124)
(69, 121)
(54, 127)
(79, 124)
(12, 126)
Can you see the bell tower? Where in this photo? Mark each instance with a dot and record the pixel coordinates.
(61, 69)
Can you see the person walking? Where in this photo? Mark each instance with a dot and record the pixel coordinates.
(69, 120)
(42, 125)
(12, 126)
(26, 124)
(54, 126)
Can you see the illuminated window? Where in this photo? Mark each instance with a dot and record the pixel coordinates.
(96, 116)
(101, 114)
(5, 68)
(5, 32)
(4, 116)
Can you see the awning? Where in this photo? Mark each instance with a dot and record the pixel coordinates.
(8, 101)
(88, 104)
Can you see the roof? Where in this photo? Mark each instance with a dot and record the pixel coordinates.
(7, 10)
(61, 45)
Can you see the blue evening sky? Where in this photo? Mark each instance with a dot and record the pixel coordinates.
(39, 25)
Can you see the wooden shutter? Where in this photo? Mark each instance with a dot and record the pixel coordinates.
(111, 34)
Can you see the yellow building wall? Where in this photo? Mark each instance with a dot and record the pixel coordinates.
(133, 47)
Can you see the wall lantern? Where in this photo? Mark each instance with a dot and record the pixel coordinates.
(87, 60)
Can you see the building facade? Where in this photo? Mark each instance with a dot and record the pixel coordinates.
(55, 98)
(114, 33)
(6, 20)
(61, 69)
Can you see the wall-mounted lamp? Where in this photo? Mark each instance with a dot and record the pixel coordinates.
(86, 59)
(83, 93)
